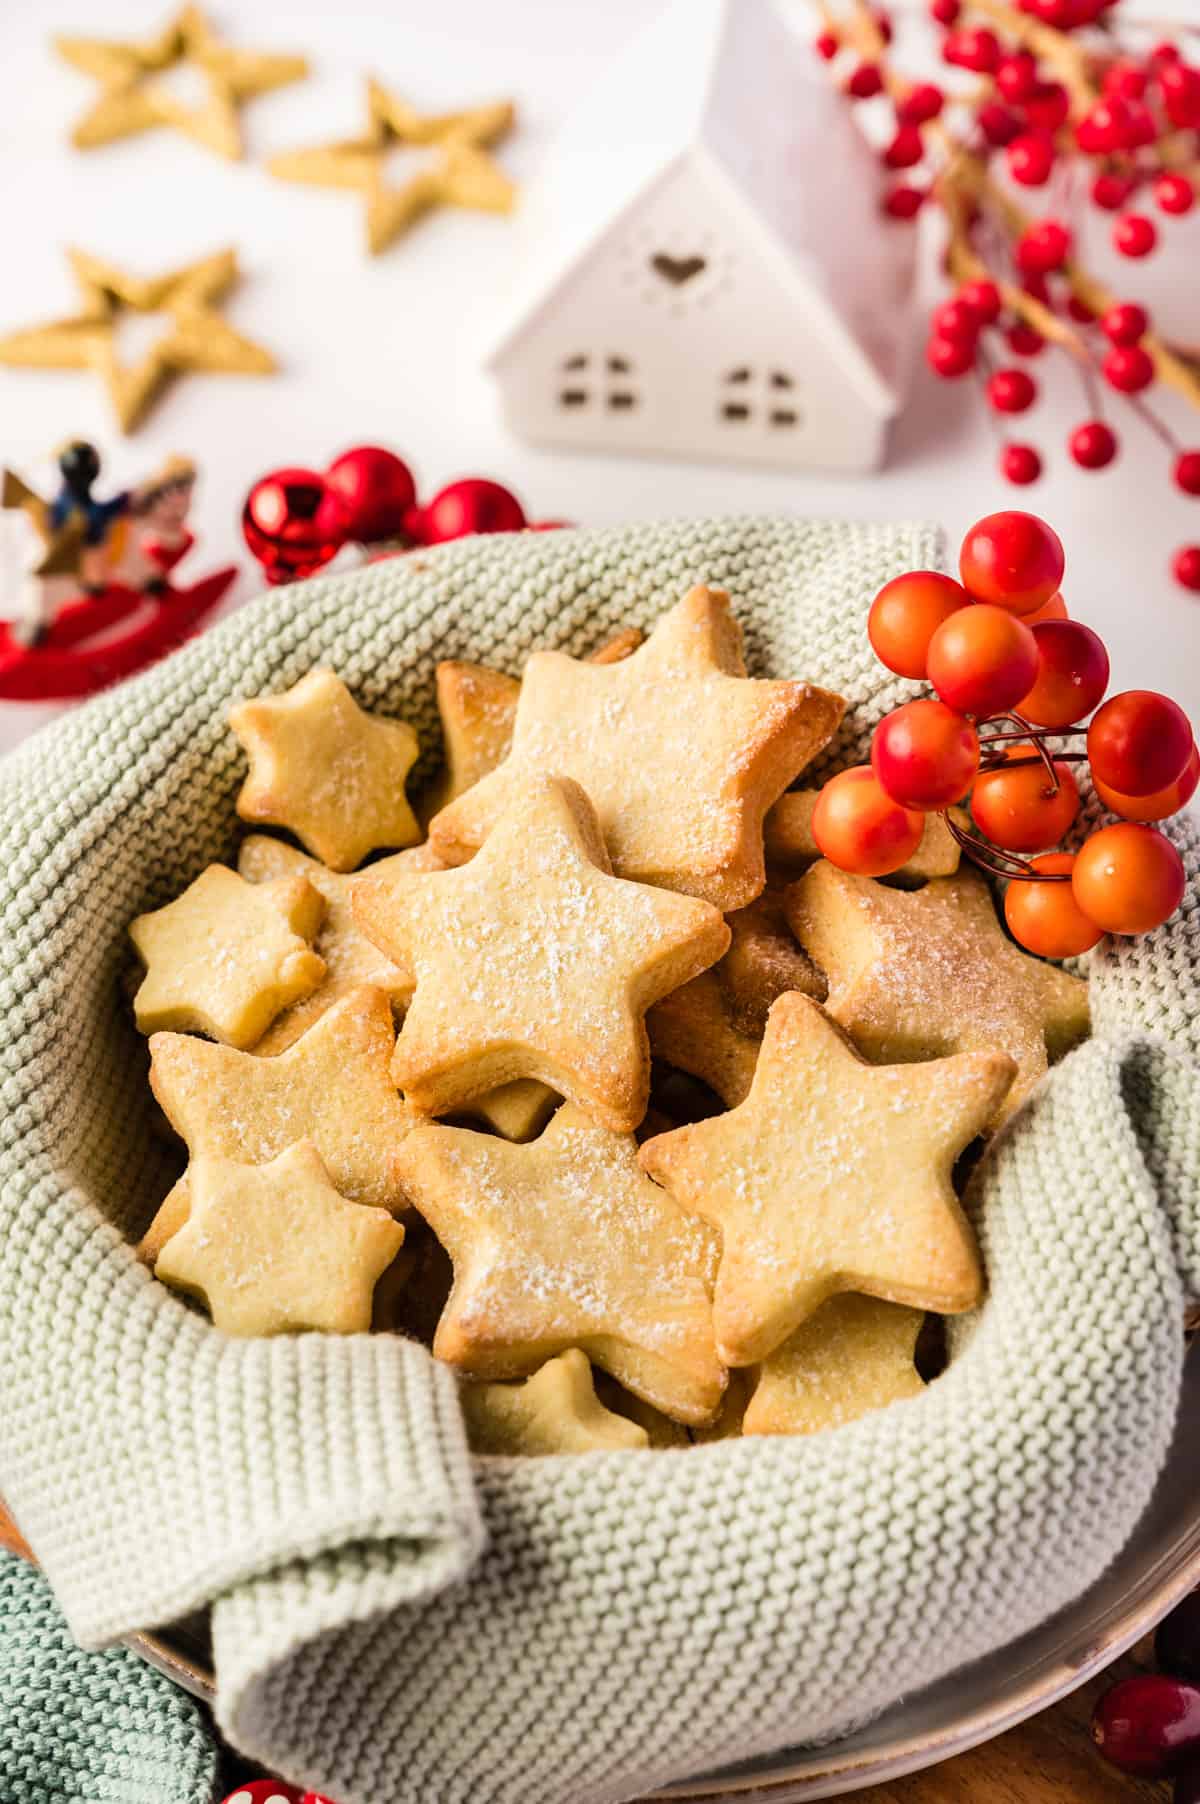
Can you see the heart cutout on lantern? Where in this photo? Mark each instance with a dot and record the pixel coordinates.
(677, 270)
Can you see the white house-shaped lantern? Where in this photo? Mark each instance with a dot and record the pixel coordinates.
(703, 266)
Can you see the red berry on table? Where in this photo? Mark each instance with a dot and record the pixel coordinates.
(973, 47)
(1072, 674)
(982, 660)
(1156, 807)
(923, 102)
(998, 123)
(1012, 559)
(903, 202)
(1030, 159)
(1021, 464)
(1185, 567)
(954, 319)
(982, 299)
(950, 357)
(1011, 391)
(1093, 445)
(1111, 191)
(1043, 248)
(905, 615)
(1048, 106)
(925, 755)
(1130, 879)
(905, 149)
(858, 826)
(865, 82)
(1128, 368)
(1025, 340)
(1124, 323)
(1125, 79)
(1177, 1640)
(1139, 741)
(1017, 75)
(1045, 917)
(1180, 88)
(1187, 472)
(944, 12)
(1104, 127)
(1018, 807)
(1174, 194)
(826, 46)
(472, 505)
(1134, 235)
(376, 490)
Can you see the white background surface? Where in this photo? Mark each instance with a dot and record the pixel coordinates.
(389, 350)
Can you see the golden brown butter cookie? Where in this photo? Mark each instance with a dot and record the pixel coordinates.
(693, 1030)
(555, 1411)
(763, 962)
(853, 1355)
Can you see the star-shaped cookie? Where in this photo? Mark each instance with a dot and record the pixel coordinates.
(566, 1243)
(555, 1411)
(855, 1354)
(131, 100)
(350, 958)
(274, 1249)
(328, 771)
(197, 340)
(833, 1175)
(679, 751)
(533, 961)
(763, 961)
(914, 975)
(226, 956)
(459, 173)
(693, 1029)
(332, 1087)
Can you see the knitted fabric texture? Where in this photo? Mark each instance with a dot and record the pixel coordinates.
(394, 1623)
(97, 1727)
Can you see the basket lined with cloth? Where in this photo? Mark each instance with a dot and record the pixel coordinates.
(393, 1621)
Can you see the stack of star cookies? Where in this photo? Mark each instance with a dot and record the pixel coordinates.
(603, 1084)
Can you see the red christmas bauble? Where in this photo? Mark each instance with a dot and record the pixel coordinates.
(265, 1791)
(376, 490)
(471, 505)
(293, 523)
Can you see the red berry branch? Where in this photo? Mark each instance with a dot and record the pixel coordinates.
(1010, 673)
(1070, 100)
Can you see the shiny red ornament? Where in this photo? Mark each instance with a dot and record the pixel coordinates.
(266, 1791)
(1093, 445)
(375, 489)
(472, 505)
(293, 523)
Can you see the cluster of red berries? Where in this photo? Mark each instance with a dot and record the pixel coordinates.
(274, 1791)
(998, 647)
(1124, 133)
(1149, 1725)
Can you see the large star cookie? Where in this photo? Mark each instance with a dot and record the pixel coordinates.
(274, 1248)
(788, 837)
(914, 975)
(566, 1243)
(332, 1087)
(226, 956)
(555, 1411)
(532, 961)
(855, 1354)
(833, 1175)
(330, 773)
(679, 751)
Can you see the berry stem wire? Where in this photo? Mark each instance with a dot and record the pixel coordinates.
(997, 862)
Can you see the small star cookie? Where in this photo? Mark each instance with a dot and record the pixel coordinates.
(854, 1355)
(915, 975)
(326, 770)
(566, 1243)
(274, 1249)
(764, 961)
(350, 958)
(226, 956)
(555, 1411)
(693, 1030)
(788, 836)
(679, 751)
(533, 961)
(332, 1087)
(833, 1175)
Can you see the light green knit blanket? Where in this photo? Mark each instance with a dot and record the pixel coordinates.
(394, 1624)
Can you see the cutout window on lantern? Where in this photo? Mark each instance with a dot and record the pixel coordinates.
(597, 380)
(763, 395)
